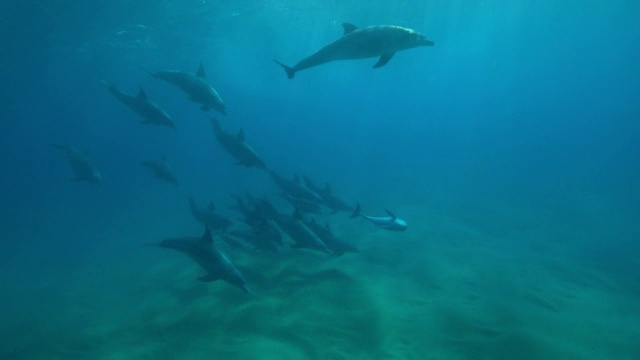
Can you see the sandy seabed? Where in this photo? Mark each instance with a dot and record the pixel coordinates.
(448, 288)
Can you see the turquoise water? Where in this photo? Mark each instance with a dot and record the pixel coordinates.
(510, 147)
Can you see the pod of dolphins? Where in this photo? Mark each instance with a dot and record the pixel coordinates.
(264, 226)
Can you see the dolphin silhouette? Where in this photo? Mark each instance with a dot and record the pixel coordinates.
(150, 112)
(211, 260)
(359, 43)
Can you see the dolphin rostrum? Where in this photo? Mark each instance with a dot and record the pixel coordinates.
(390, 222)
(141, 104)
(359, 43)
(237, 147)
(194, 85)
(211, 260)
(81, 165)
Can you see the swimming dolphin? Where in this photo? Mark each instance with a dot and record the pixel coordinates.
(141, 104)
(383, 41)
(304, 205)
(299, 231)
(161, 170)
(81, 165)
(334, 243)
(390, 222)
(208, 216)
(330, 200)
(294, 188)
(237, 147)
(259, 237)
(203, 252)
(195, 85)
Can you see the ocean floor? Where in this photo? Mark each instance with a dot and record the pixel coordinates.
(451, 287)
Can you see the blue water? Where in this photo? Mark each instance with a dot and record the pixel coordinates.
(520, 123)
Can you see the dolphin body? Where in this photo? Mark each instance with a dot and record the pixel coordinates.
(337, 246)
(208, 216)
(300, 232)
(150, 112)
(330, 200)
(237, 147)
(195, 85)
(161, 170)
(294, 188)
(359, 43)
(211, 260)
(390, 222)
(81, 165)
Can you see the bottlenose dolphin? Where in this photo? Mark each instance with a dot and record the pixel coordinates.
(141, 104)
(294, 188)
(237, 147)
(195, 85)
(208, 216)
(161, 170)
(203, 252)
(383, 41)
(327, 196)
(300, 232)
(81, 165)
(390, 222)
(334, 243)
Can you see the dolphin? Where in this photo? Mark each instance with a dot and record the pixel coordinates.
(299, 231)
(211, 260)
(141, 104)
(162, 170)
(304, 205)
(195, 85)
(81, 165)
(237, 147)
(259, 237)
(390, 222)
(334, 243)
(330, 200)
(359, 43)
(294, 188)
(208, 216)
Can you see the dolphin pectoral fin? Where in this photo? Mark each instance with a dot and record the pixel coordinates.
(208, 278)
(291, 72)
(384, 59)
(348, 28)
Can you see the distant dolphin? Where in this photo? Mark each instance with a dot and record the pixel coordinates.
(195, 85)
(203, 252)
(161, 170)
(383, 41)
(334, 243)
(208, 216)
(300, 232)
(330, 200)
(81, 165)
(237, 147)
(294, 188)
(390, 222)
(141, 104)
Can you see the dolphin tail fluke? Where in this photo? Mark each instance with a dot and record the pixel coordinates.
(356, 211)
(291, 72)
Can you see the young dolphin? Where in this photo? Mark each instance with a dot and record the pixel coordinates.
(237, 147)
(161, 170)
(141, 104)
(390, 222)
(203, 252)
(81, 165)
(383, 41)
(195, 85)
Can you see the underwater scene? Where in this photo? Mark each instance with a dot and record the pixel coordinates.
(320, 179)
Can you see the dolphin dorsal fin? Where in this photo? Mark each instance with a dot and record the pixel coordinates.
(142, 96)
(390, 214)
(211, 206)
(206, 237)
(240, 136)
(200, 72)
(326, 225)
(348, 28)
